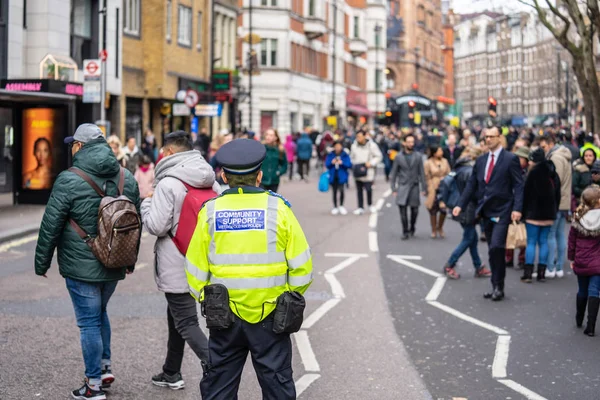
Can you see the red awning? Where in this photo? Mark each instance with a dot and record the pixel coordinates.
(359, 110)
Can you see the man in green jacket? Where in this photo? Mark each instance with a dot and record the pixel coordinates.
(89, 283)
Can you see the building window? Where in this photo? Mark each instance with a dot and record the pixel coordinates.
(356, 27)
(131, 22)
(377, 39)
(377, 80)
(272, 3)
(81, 31)
(184, 35)
(169, 19)
(268, 52)
(311, 8)
(199, 32)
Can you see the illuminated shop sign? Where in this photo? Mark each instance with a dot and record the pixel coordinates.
(42, 86)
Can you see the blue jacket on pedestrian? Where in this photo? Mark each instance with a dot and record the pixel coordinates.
(304, 147)
(341, 171)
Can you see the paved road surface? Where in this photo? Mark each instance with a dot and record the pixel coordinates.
(348, 348)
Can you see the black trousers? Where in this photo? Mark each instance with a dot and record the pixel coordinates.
(337, 190)
(182, 317)
(303, 168)
(271, 356)
(414, 213)
(291, 169)
(368, 187)
(272, 188)
(495, 234)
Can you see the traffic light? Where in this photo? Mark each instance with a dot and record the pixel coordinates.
(492, 103)
(411, 104)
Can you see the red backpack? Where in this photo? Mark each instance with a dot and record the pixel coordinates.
(192, 204)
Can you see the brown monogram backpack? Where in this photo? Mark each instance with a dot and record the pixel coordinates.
(119, 227)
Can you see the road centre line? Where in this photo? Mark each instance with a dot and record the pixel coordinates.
(18, 242)
(306, 352)
(387, 193)
(336, 286)
(304, 382)
(373, 245)
(339, 267)
(373, 220)
(436, 289)
(319, 313)
(402, 260)
(501, 357)
(468, 318)
(517, 387)
(379, 204)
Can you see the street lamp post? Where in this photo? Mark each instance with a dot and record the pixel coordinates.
(250, 59)
(332, 110)
(377, 72)
(417, 49)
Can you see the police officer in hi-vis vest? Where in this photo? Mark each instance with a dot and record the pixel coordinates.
(249, 264)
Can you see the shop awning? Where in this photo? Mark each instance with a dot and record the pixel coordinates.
(359, 110)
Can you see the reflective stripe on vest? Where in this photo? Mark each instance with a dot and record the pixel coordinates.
(299, 260)
(300, 280)
(252, 283)
(196, 272)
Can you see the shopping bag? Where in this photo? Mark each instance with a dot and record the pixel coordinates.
(324, 182)
(517, 236)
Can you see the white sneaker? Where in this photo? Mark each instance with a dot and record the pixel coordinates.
(550, 274)
(359, 211)
(560, 274)
(335, 211)
(343, 210)
(373, 209)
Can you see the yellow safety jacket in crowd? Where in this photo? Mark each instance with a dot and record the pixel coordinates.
(250, 241)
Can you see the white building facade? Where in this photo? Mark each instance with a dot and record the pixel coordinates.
(294, 88)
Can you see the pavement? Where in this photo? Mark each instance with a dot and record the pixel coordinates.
(463, 346)
(19, 220)
(348, 348)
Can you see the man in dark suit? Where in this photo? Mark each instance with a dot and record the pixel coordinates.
(497, 184)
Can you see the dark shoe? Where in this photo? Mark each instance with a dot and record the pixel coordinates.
(541, 273)
(451, 273)
(592, 306)
(581, 305)
(488, 295)
(87, 393)
(174, 381)
(482, 238)
(482, 272)
(497, 295)
(412, 232)
(519, 267)
(107, 378)
(405, 236)
(527, 274)
(510, 264)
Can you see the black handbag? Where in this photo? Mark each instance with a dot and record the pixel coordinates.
(289, 313)
(359, 170)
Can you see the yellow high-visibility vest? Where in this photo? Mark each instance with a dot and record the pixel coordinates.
(250, 241)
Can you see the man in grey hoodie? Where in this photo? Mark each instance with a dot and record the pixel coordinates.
(160, 216)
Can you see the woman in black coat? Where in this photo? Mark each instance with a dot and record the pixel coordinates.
(541, 199)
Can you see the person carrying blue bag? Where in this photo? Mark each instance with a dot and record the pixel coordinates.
(338, 163)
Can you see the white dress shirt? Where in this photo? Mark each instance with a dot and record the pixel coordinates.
(489, 160)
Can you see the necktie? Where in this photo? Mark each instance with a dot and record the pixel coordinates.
(490, 169)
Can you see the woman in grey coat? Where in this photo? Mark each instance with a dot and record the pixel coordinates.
(406, 176)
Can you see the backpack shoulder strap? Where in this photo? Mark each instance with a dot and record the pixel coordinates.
(89, 180)
(121, 181)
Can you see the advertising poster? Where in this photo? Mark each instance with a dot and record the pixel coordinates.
(41, 127)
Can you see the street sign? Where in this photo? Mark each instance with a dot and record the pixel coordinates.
(181, 110)
(191, 98)
(208, 110)
(103, 55)
(92, 69)
(92, 91)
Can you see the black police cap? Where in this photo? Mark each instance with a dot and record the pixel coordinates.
(241, 156)
(176, 135)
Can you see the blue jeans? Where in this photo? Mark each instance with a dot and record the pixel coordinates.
(537, 235)
(90, 301)
(589, 286)
(557, 243)
(469, 241)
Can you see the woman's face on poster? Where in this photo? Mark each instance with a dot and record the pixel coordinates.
(42, 153)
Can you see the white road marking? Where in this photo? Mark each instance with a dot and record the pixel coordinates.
(416, 258)
(373, 245)
(387, 193)
(360, 255)
(501, 357)
(319, 313)
(529, 395)
(436, 289)
(373, 220)
(17, 242)
(468, 318)
(141, 266)
(336, 286)
(339, 267)
(304, 382)
(306, 352)
(379, 204)
(145, 234)
(402, 260)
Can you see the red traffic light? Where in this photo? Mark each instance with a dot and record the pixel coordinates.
(492, 101)
(411, 104)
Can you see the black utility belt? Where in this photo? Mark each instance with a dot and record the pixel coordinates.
(287, 317)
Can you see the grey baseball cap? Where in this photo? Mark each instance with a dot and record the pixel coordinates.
(85, 133)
